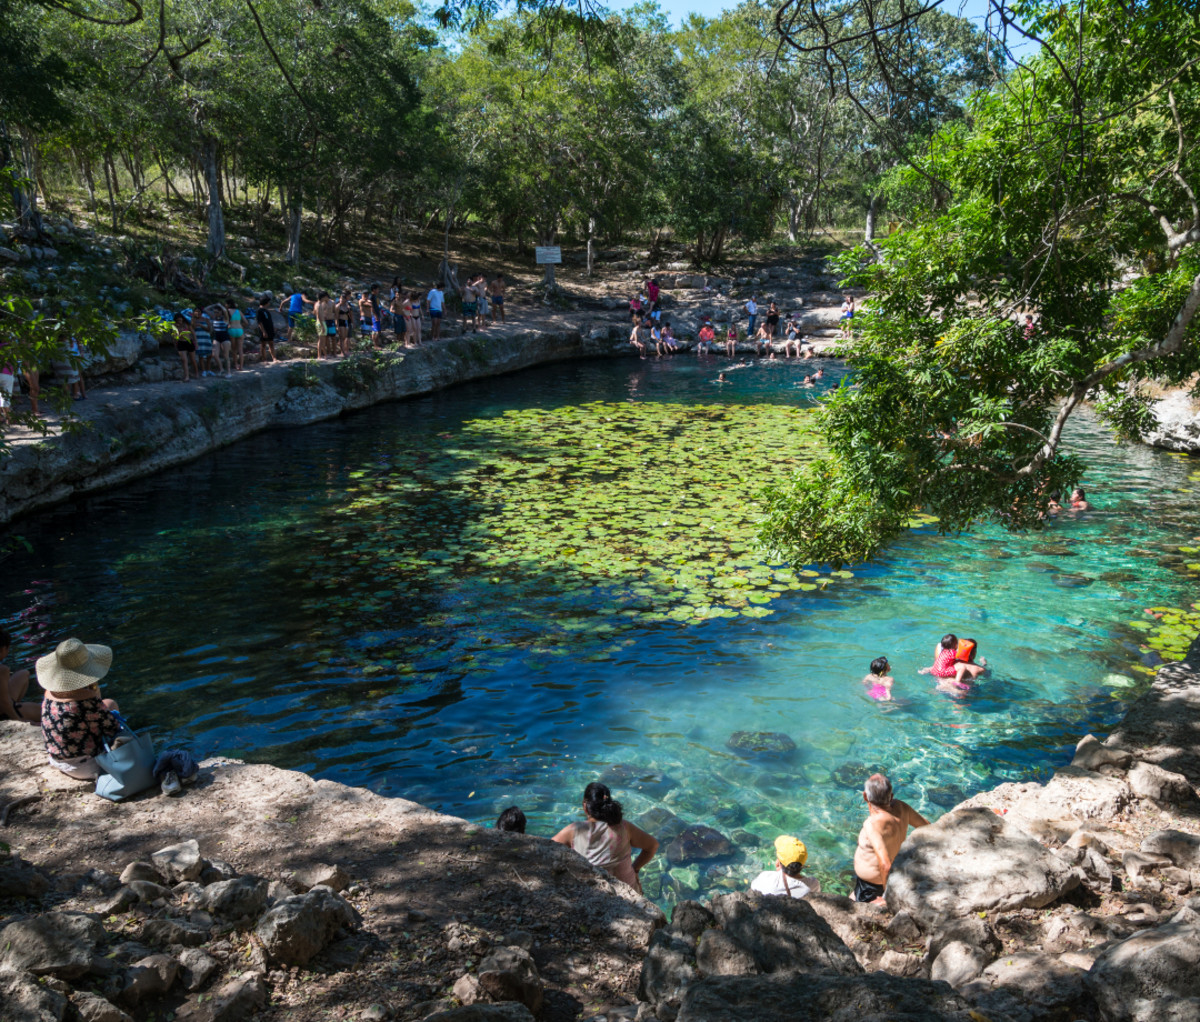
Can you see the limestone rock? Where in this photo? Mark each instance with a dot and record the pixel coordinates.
(508, 974)
(1181, 848)
(1091, 754)
(235, 900)
(957, 963)
(1033, 985)
(216, 871)
(236, 1000)
(1153, 976)
(26, 1000)
(780, 935)
(150, 977)
(899, 964)
(969, 930)
(805, 998)
(468, 990)
(94, 1008)
(321, 875)
(160, 932)
(667, 970)
(765, 744)
(1153, 782)
(121, 901)
(140, 871)
(698, 843)
(56, 944)
(148, 891)
(1177, 426)
(196, 967)
(179, 862)
(902, 927)
(690, 919)
(971, 860)
(1137, 863)
(507, 1012)
(19, 879)
(519, 938)
(631, 777)
(297, 928)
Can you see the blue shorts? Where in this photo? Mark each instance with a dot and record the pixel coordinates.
(497, 299)
(435, 313)
(293, 317)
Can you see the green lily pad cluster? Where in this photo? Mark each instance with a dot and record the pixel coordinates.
(1170, 630)
(581, 521)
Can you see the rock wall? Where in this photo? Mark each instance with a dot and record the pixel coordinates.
(1178, 422)
(142, 430)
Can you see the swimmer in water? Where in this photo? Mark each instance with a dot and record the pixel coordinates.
(721, 378)
(954, 674)
(1079, 500)
(879, 683)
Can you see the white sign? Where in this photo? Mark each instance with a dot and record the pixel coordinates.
(548, 254)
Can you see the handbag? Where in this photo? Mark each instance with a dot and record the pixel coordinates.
(128, 768)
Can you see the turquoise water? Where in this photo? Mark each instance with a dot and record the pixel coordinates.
(240, 628)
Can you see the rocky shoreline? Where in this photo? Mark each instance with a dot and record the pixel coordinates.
(263, 893)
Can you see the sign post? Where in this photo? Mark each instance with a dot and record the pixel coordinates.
(548, 256)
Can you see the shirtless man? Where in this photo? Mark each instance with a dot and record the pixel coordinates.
(497, 289)
(13, 686)
(882, 834)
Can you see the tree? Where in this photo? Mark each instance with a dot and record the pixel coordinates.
(1072, 196)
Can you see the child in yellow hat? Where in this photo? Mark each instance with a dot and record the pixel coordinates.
(787, 878)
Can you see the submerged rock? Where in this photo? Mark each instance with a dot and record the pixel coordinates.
(631, 777)
(661, 823)
(698, 843)
(854, 774)
(772, 744)
(1071, 581)
(947, 795)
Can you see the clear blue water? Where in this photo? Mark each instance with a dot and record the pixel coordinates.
(197, 578)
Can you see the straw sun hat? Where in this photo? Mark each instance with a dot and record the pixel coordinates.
(73, 665)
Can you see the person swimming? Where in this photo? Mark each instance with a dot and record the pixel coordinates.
(1079, 500)
(954, 663)
(879, 681)
(721, 378)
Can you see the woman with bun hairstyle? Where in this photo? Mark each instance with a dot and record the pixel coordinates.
(606, 839)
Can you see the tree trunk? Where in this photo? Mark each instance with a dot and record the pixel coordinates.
(873, 211)
(109, 174)
(24, 199)
(85, 166)
(293, 207)
(591, 243)
(548, 237)
(216, 216)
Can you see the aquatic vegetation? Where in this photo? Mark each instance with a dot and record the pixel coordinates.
(1170, 630)
(582, 520)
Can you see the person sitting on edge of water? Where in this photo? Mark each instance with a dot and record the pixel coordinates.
(75, 720)
(786, 878)
(879, 840)
(731, 337)
(13, 686)
(879, 681)
(1079, 500)
(705, 339)
(606, 839)
(512, 819)
(955, 662)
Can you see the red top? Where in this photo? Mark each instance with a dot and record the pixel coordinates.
(943, 663)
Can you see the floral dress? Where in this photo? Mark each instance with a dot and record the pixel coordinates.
(77, 727)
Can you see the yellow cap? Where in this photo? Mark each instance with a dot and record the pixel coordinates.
(790, 849)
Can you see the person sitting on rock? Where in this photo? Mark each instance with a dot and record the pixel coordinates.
(786, 878)
(13, 686)
(75, 720)
(879, 840)
(606, 839)
(956, 673)
(512, 819)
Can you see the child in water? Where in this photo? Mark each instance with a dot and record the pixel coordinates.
(956, 669)
(879, 682)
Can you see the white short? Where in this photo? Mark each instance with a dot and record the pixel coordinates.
(82, 768)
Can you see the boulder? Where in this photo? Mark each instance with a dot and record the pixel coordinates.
(149, 892)
(852, 921)
(140, 871)
(805, 998)
(1152, 976)
(467, 989)
(971, 860)
(19, 879)
(1092, 754)
(297, 928)
(690, 919)
(94, 1008)
(58, 944)
(698, 843)
(509, 1012)
(969, 930)
(160, 932)
(764, 744)
(321, 875)
(1181, 848)
(1153, 782)
(897, 963)
(179, 862)
(631, 777)
(236, 1000)
(957, 963)
(216, 871)
(1032, 985)
(508, 974)
(24, 999)
(196, 968)
(1137, 863)
(150, 977)
(667, 970)
(236, 900)
(774, 935)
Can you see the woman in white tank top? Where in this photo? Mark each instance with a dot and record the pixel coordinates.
(606, 839)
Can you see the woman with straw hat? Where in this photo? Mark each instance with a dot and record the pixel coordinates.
(75, 720)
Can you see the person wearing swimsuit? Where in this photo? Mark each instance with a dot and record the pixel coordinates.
(185, 344)
(343, 310)
(201, 328)
(606, 838)
(237, 331)
(956, 674)
(222, 342)
(366, 315)
(882, 834)
(879, 683)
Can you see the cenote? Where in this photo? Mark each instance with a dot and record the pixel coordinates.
(495, 594)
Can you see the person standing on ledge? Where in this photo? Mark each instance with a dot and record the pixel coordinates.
(752, 312)
(882, 834)
(436, 301)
